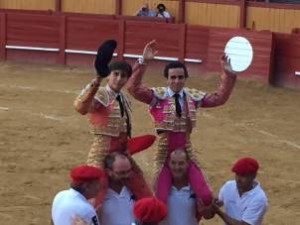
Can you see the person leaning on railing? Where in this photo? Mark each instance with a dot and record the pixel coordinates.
(145, 11)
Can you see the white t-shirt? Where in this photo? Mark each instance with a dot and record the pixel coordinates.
(69, 203)
(250, 207)
(117, 208)
(165, 14)
(181, 207)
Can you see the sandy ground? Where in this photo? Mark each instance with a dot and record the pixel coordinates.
(42, 137)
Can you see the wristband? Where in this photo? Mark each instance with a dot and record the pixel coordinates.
(141, 61)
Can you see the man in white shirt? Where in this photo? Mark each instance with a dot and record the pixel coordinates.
(244, 200)
(181, 201)
(74, 202)
(118, 200)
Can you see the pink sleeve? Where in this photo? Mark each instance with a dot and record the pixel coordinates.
(221, 95)
(135, 86)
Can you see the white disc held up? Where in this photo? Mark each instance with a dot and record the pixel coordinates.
(240, 52)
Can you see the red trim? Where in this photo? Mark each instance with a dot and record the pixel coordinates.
(121, 42)
(57, 5)
(90, 15)
(2, 36)
(273, 5)
(243, 14)
(143, 18)
(118, 7)
(181, 11)
(182, 40)
(26, 11)
(62, 41)
(224, 2)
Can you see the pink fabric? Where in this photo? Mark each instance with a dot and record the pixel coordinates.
(163, 184)
(164, 179)
(135, 86)
(196, 180)
(176, 140)
(221, 95)
(195, 176)
(157, 112)
(198, 183)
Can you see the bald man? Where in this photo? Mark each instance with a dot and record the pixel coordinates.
(118, 200)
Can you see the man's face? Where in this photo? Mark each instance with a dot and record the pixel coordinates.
(92, 188)
(178, 165)
(120, 170)
(244, 182)
(176, 79)
(117, 79)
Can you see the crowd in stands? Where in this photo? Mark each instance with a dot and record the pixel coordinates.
(160, 11)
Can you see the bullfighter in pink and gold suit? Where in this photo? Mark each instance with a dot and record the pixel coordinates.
(173, 110)
(108, 110)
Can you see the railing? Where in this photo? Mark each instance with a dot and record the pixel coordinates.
(72, 38)
(251, 14)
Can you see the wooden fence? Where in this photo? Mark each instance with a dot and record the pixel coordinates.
(276, 17)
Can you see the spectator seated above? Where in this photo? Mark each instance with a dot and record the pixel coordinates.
(161, 11)
(145, 11)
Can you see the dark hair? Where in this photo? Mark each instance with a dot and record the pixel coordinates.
(77, 187)
(161, 7)
(120, 65)
(173, 65)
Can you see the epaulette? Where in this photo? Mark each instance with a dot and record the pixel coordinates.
(160, 92)
(102, 96)
(195, 94)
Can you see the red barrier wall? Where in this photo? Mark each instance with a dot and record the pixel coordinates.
(262, 50)
(32, 30)
(287, 58)
(196, 44)
(71, 39)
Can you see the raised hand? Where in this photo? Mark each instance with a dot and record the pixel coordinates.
(149, 51)
(104, 56)
(226, 64)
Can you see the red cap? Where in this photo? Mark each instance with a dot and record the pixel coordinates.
(245, 165)
(140, 143)
(83, 173)
(149, 210)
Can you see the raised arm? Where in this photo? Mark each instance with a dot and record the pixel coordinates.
(83, 102)
(134, 85)
(221, 95)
